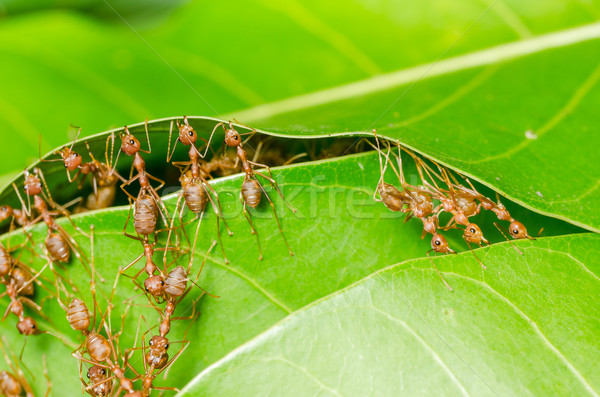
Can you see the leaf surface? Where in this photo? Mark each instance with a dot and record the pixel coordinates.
(518, 328)
(336, 225)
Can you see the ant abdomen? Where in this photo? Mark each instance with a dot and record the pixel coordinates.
(58, 248)
(78, 315)
(104, 198)
(251, 191)
(6, 262)
(176, 282)
(195, 197)
(146, 215)
(422, 206)
(467, 205)
(22, 279)
(391, 197)
(98, 347)
(9, 385)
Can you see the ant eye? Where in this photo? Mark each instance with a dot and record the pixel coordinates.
(147, 290)
(472, 230)
(88, 374)
(150, 343)
(236, 137)
(65, 165)
(162, 282)
(131, 142)
(515, 231)
(75, 155)
(437, 242)
(32, 326)
(103, 371)
(191, 133)
(167, 346)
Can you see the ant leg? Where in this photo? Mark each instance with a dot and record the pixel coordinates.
(162, 183)
(48, 380)
(162, 209)
(78, 252)
(210, 139)
(170, 363)
(216, 208)
(473, 252)
(62, 211)
(507, 239)
(41, 175)
(177, 210)
(277, 219)
(253, 230)
(136, 260)
(129, 181)
(273, 183)
(202, 266)
(31, 280)
(25, 208)
(218, 202)
(169, 153)
(438, 272)
(193, 250)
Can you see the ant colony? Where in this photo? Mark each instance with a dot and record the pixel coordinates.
(105, 367)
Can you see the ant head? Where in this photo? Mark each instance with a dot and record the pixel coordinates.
(6, 212)
(96, 372)
(518, 230)
(129, 144)
(71, 159)
(232, 137)
(154, 285)
(187, 134)
(473, 233)
(27, 327)
(33, 185)
(439, 244)
(159, 342)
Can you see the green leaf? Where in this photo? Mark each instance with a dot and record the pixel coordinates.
(337, 223)
(518, 328)
(486, 114)
(70, 68)
(461, 92)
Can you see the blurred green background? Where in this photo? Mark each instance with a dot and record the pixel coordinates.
(103, 64)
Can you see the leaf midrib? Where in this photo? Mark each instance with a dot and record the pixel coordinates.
(384, 82)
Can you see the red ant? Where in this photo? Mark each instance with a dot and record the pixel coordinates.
(104, 178)
(195, 189)
(251, 190)
(148, 203)
(101, 349)
(14, 384)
